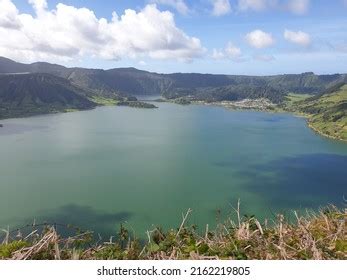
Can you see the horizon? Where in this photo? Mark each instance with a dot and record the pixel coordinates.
(226, 37)
(159, 73)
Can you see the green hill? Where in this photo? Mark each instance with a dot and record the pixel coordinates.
(328, 112)
(31, 94)
(43, 87)
(131, 81)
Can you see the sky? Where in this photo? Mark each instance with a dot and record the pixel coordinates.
(248, 37)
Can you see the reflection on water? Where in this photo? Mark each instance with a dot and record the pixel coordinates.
(307, 180)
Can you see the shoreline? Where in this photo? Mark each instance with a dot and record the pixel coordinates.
(275, 110)
(231, 105)
(324, 134)
(72, 110)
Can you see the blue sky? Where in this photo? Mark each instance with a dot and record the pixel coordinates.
(258, 37)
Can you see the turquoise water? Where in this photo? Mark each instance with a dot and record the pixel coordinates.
(98, 168)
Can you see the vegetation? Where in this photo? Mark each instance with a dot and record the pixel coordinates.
(40, 88)
(105, 101)
(31, 94)
(326, 113)
(227, 93)
(137, 104)
(131, 81)
(182, 101)
(316, 236)
(291, 101)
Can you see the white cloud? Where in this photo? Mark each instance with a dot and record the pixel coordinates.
(297, 37)
(142, 63)
(39, 5)
(259, 39)
(220, 7)
(299, 7)
(232, 51)
(67, 33)
(179, 5)
(229, 52)
(8, 14)
(218, 54)
(264, 57)
(256, 5)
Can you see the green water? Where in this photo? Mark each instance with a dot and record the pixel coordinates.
(144, 167)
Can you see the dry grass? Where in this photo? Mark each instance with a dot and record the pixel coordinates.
(317, 236)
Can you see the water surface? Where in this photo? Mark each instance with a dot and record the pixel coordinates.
(98, 168)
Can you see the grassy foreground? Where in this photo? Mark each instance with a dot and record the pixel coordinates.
(318, 236)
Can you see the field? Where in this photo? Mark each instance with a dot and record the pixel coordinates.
(329, 113)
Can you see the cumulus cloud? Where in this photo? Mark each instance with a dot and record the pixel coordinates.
(299, 7)
(8, 15)
(259, 39)
(218, 54)
(178, 5)
(38, 5)
(230, 52)
(297, 37)
(68, 32)
(220, 7)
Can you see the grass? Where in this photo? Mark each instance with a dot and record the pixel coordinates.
(292, 100)
(318, 236)
(326, 114)
(294, 97)
(332, 129)
(329, 113)
(70, 110)
(103, 100)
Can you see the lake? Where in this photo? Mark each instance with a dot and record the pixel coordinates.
(99, 168)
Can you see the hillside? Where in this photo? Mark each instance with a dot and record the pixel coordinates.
(228, 93)
(30, 94)
(131, 81)
(235, 87)
(43, 87)
(328, 112)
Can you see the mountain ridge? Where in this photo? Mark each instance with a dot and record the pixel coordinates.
(40, 87)
(133, 81)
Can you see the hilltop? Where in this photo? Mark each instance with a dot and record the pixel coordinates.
(131, 81)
